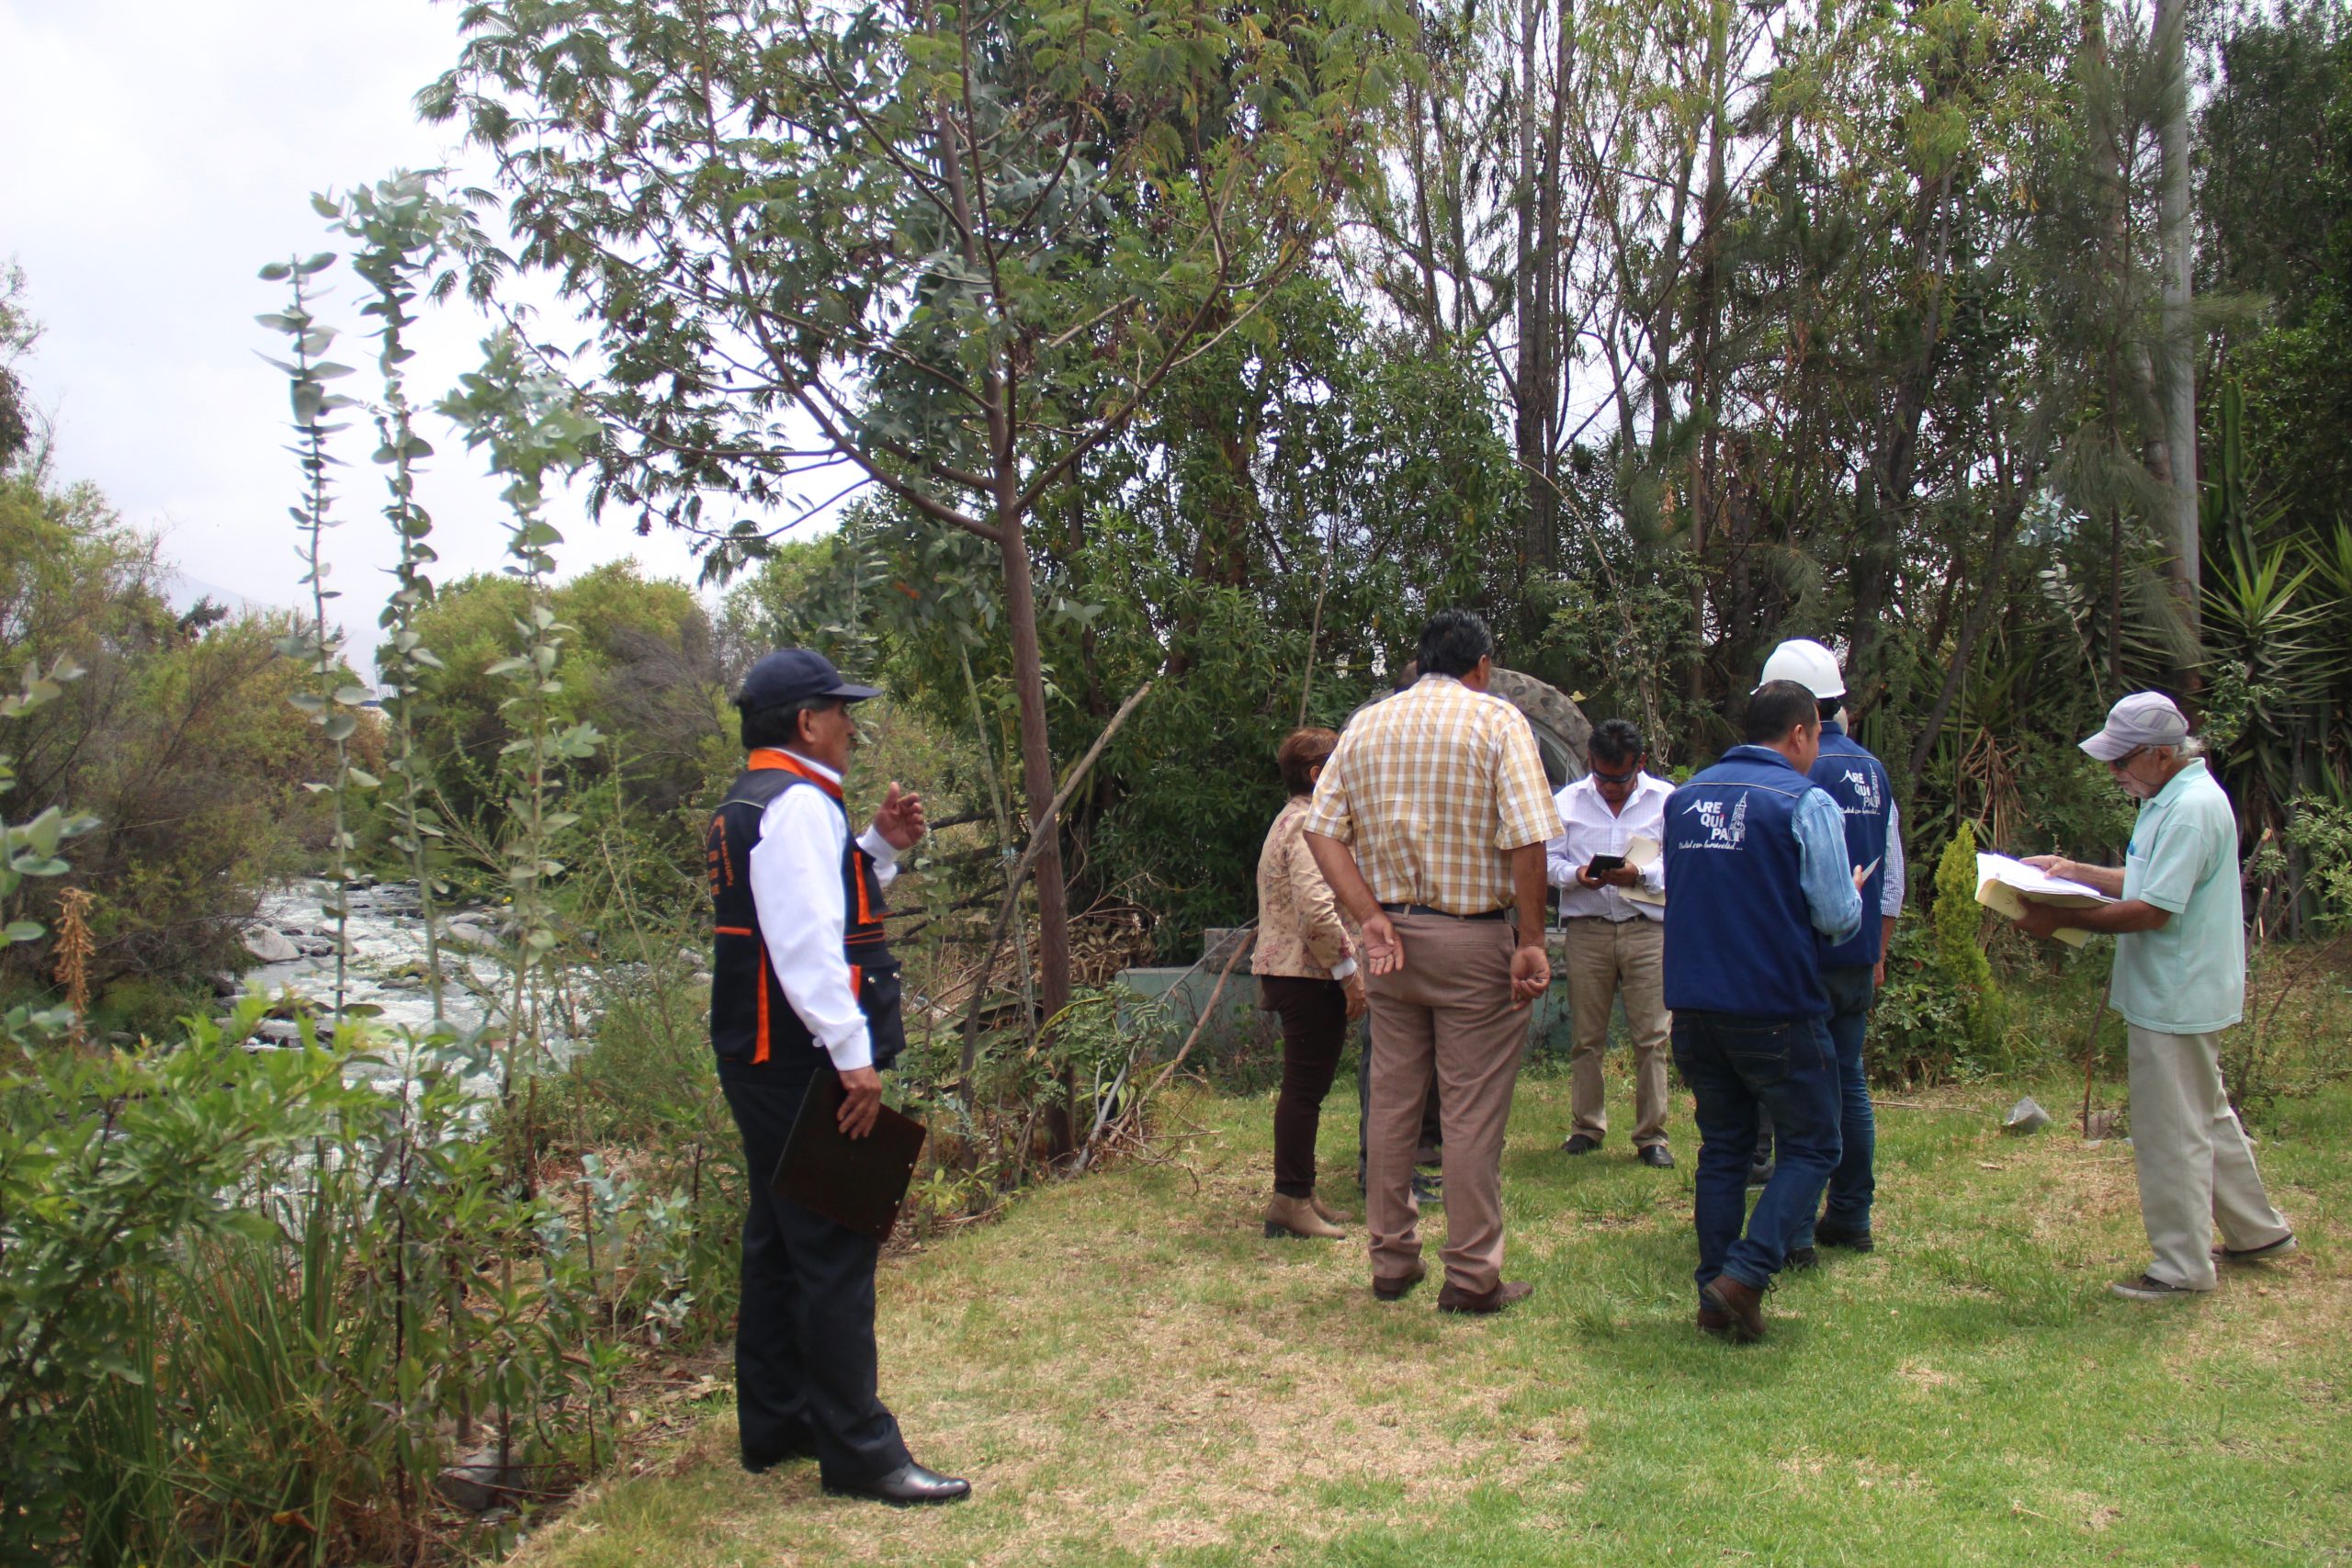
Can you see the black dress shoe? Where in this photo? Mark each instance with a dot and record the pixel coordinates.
(1853, 1241)
(1801, 1258)
(1656, 1154)
(907, 1486)
(1580, 1143)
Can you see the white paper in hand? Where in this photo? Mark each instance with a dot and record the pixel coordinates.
(2006, 886)
(1641, 852)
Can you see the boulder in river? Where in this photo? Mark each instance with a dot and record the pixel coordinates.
(270, 946)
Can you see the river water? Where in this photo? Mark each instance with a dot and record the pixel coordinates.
(386, 970)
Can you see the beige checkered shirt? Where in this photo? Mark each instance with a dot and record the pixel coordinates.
(1434, 787)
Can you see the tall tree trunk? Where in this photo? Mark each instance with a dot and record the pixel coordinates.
(2178, 384)
(1036, 752)
(1528, 299)
(1706, 315)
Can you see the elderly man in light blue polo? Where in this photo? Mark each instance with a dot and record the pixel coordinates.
(2179, 981)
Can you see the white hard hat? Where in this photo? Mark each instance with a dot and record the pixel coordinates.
(1807, 664)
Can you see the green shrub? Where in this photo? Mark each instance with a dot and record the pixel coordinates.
(1942, 1014)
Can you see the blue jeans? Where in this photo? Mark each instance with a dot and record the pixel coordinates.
(1733, 1063)
(1851, 1186)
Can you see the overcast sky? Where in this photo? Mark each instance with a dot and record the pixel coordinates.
(154, 155)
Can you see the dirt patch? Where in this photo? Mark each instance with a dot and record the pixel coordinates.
(1924, 1379)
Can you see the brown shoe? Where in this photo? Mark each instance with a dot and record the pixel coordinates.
(1394, 1289)
(1742, 1306)
(1714, 1321)
(1323, 1211)
(1453, 1299)
(1296, 1217)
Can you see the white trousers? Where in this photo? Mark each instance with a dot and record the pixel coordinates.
(2196, 1166)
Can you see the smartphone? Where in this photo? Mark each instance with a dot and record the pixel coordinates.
(1599, 863)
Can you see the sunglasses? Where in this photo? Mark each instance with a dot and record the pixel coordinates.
(1628, 776)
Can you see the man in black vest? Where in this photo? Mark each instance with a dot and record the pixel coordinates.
(803, 985)
(1756, 856)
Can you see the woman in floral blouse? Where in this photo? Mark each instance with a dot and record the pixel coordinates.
(1306, 965)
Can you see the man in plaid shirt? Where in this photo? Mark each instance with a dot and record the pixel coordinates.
(1429, 823)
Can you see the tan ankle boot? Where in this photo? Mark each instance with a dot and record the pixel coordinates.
(1296, 1217)
(1323, 1211)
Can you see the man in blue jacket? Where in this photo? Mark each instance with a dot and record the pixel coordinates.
(1853, 970)
(1756, 855)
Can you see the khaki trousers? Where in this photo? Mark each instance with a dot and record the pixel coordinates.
(1607, 959)
(2196, 1166)
(1447, 1013)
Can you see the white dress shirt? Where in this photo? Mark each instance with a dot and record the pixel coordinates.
(1594, 829)
(797, 888)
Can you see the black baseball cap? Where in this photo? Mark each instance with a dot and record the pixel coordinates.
(794, 675)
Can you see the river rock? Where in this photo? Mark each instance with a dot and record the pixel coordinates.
(475, 1482)
(270, 946)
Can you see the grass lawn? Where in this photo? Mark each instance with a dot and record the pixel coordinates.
(1130, 1374)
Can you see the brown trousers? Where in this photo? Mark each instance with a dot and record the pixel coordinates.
(1606, 959)
(1447, 1014)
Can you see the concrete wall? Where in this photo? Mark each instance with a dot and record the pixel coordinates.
(1243, 1047)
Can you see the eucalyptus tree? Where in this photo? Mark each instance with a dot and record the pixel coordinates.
(943, 250)
(411, 240)
(334, 700)
(528, 420)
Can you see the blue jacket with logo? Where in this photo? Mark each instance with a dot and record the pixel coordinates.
(1857, 782)
(1739, 936)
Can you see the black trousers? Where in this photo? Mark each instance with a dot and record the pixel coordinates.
(806, 1372)
(1315, 1029)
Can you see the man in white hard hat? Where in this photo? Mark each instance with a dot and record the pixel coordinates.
(2179, 981)
(1852, 970)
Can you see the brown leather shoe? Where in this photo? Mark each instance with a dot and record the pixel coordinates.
(1453, 1299)
(1714, 1321)
(1742, 1306)
(1323, 1211)
(1394, 1289)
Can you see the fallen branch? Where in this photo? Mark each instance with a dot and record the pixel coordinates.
(1208, 1011)
(1110, 1101)
(1038, 837)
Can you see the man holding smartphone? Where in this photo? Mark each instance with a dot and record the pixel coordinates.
(1612, 921)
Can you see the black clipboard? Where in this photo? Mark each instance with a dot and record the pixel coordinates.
(857, 1183)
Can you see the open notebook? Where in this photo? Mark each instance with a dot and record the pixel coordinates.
(2006, 886)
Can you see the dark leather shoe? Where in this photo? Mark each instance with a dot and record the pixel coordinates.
(1837, 1236)
(1580, 1143)
(905, 1487)
(1428, 1191)
(1801, 1258)
(1394, 1289)
(1714, 1321)
(1656, 1154)
(1740, 1302)
(1505, 1293)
